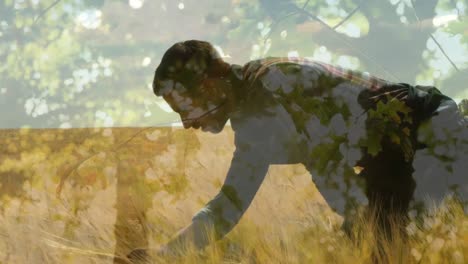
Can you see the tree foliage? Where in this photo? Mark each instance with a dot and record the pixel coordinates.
(89, 64)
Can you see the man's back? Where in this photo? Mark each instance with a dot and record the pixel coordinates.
(300, 111)
(343, 125)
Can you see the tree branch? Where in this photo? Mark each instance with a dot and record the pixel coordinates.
(43, 12)
(434, 39)
(341, 38)
(275, 23)
(73, 169)
(349, 15)
(443, 52)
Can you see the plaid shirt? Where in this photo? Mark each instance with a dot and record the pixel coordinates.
(263, 133)
(258, 68)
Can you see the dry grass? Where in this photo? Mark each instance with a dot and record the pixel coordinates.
(439, 238)
(288, 221)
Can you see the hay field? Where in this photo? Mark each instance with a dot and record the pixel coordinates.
(91, 195)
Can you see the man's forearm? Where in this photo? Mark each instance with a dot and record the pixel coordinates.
(223, 212)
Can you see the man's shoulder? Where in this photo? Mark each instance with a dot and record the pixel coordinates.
(309, 69)
(283, 60)
(287, 71)
(276, 74)
(260, 66)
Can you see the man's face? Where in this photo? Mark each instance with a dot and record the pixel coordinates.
(203, 106)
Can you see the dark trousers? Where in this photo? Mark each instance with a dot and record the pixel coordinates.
(433, 123)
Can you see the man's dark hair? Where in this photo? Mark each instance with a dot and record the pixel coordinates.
(187, 62)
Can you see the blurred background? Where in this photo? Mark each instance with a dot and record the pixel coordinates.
(83, 63)
(112, 170)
